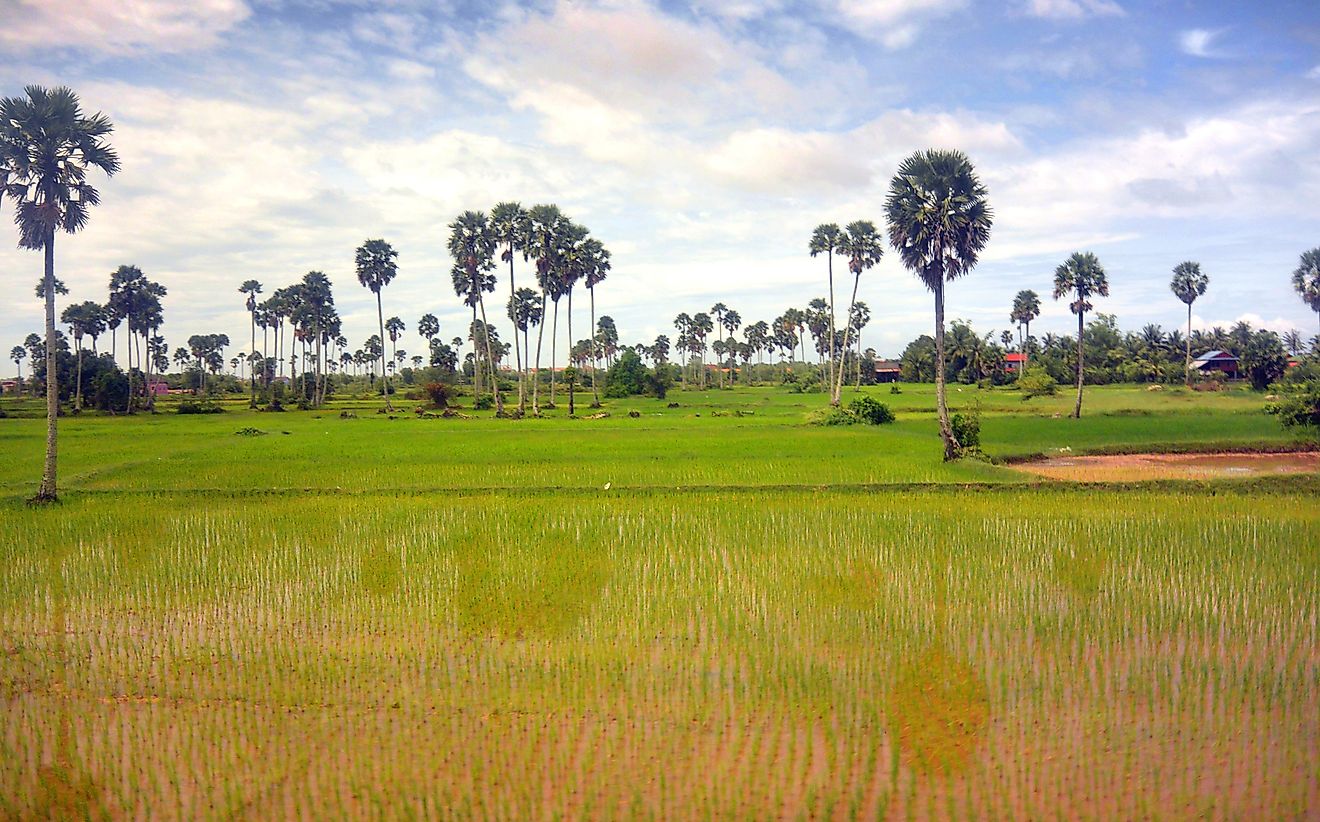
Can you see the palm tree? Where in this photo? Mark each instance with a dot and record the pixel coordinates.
(395, 328)
(472, 245)
(718, 310)
(729, 323)
(863, 245)
(701, 326)
(939, 221)
(252, 288)
(428, 328)
(1306, 279)
(825, 240)
(525, 310)
(47, 145)
(18, 353)
(1082, 277)
(511, 225)
(573, 268)
(84, 320)
(859, 318)
(1026, 307)
(595, 262)
(1187, 284)
(376, 267)
(546, 237)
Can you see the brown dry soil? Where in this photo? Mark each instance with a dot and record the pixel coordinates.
(1138, 467)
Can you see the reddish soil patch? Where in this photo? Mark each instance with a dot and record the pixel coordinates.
(1135, 467)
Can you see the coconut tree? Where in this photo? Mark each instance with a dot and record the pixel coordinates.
(863, 245)
(472, 245)
(939, 222)
(376, 267)
(47, 146)
(1306, 279)
(251, 288)
(825, 239)
(1187, 284)
(1081, 277)
(1026, 307)
(511, 224)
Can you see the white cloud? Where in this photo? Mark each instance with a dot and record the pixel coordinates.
(118, 26)
(1313, 74)
(1199, 42)
(895, 24)
(1074, 9)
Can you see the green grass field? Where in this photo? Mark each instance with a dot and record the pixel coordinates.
(456, 618)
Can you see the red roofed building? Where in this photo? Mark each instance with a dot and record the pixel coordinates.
(1013, 362)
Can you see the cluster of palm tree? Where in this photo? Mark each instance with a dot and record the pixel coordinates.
(780, 338)
(564, 255)
(308, 309)
(863, 246)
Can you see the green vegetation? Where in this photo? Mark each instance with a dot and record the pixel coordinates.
(349, 612)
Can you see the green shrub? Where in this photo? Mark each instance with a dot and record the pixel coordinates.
(1035, 382)
(483, 403)
(199, 407)
(832, 416)
(871, 411)
(1299, 408)
(967, 431)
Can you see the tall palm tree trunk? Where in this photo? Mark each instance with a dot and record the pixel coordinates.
(1077, 412)
(490, 358)
(554, 340)
(522, 387)
(252, 377)
(595, 393)
(1189, 345)
(847, 329)
(77, 401)
(46, 491)
(570, 349)
(536, 372)
(832, 365)
(476, 358)
(951, 445)
(384, 381)
(1026, 347)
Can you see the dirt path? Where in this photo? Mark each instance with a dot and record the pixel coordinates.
(1136, 467)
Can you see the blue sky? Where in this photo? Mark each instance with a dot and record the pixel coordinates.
(701, 141)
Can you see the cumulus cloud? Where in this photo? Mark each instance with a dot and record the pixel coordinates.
(894, 23)
(118, 26)
(1199, 42)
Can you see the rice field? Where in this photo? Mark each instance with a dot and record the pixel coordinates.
(425, 644)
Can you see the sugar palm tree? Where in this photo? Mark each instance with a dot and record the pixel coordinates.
(511, 225)
(428, 328)
(545, 245)
(252, 288)
(1026, 307)
(525, 310)
(939, 222)
(1187, 284)
(863, 245)
(84, 320)
(1081, 277)
(47, 146)
(472, 245)
(394, 327)
(594, 260)
(1306, 279)
(859, 318)
(825, 239)
(18, 353)
(376, 267)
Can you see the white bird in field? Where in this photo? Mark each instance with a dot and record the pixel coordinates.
(607, 486)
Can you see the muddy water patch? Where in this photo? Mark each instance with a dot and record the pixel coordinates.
(1137, 467)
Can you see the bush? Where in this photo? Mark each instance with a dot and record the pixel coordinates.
(967, 431)
(870, 411)
(832, 416)
(199, 407)
(1035, 382)
(483, 403)
(439, 393)
(1299, 409)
